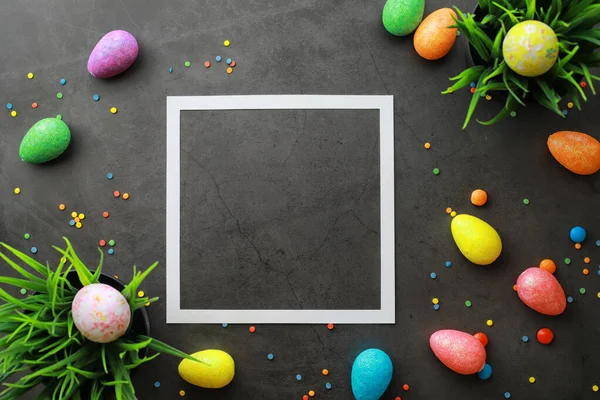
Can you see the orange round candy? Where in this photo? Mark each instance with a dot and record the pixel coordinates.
(482, 337)
(34, 105)
(576, 151)
(479, 197)
(405, 387)
(305, 397)
(311, 393)
(433, 39)
(586, 271)
(586, 260)
(578, 246)
(252, 329)
(548, 265)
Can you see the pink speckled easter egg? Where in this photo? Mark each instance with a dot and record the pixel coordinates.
(101, 313)
(540, 290)
(459, 351)
(113, 54)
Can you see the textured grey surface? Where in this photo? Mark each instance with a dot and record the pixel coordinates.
(293, 47)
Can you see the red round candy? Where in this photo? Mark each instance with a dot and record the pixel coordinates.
(545, 336)
(482, 337)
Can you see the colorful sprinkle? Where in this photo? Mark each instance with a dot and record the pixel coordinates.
(489, 322)
(23, 291)
(526, 201)
(453, 214)
(111, 242)
(436, 307)
(569, 299)
(113, 110)
(9, 106)
(328, 386)
(513, 114)
(448, 264)
(224, 325)
(157, 384)
(595, 388)
(298, 377)
(63, 81)
(102, 243)
(270, 356)
(34, 250)
(182, 393)
(116, 193)
(325, 372)
(78, 225)
(96, 97)
(218, 58)
(229, 70)
(252, 329)
(507, 395)
(30, 76)
(567, 261)
(226, 43)
(13, 113)
(27, 236)
(187, 64)
(468, 303)
(311, 393)
(578, 246)
(59, 117)
(17, 190)
(34, 105)
(436, 171)
(433, 275)
(435, 300)
(564, 112)
(233, 63)
(427, 145)
(141, 293)
(525, 339)
(330, 326)
(531, 379)
(105, 214)
(207, 64)
(586, 260)
(582, 291)
(125, 196)
(110, 175)
(111, 251)
(170, 70)
(570, 104)
(72, 222)
(59, 95)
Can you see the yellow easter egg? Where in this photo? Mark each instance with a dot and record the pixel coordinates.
(216, 372)
(530, 48)
(476, 239)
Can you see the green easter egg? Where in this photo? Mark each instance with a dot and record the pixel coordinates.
(46, 140)
(402, 17)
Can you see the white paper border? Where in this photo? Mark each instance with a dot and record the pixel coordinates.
(385, 105)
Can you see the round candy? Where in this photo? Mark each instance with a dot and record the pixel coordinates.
(548, 265)
(459, 351)
(540, 290)
(578, 234)
(545, 336)
(530, 48)
(479, 197)
(485, 373)
(482, 337)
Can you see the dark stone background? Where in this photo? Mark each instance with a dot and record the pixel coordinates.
(294, 47)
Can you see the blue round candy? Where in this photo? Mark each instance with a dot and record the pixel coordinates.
(9, 106)
(228, 61)
(436, 307)
(34, 250)
(472, 84)
(328, 386)
(525, 338)
(298, 377)
(270, 356)
(485, 373)
(170, 70)
(218, 58)
(157, 384)
(111, 251)
(599, 272)
(96, 97)
(72, 222)
(433, 275)
(597, 243)
(507, 395)
(564, 112)
(578, 234)
(109, 175)
(224, 325)
(448, 264)
(63, 81)
(569, 299)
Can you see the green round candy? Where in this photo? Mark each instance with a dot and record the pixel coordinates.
(402, 17)
(46, 140)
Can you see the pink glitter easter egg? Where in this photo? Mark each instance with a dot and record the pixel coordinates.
(459, 351)
(540, 290)
(101, 313)
(113, 54)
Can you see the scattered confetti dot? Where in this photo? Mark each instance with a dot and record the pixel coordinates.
(72, 222)
(252, 329)
(531, 379)
(488, 97)
(105, 214)
(30, 76)
(436, 307)
(125, 196)
(427, 145)
(224, 325)
(113, 110)
(569, 299)
(586, 271)
(598, 292)
(170, 70)
(229, 70)
(96, 97)
(34, 250)
(583, 84)
(182, 393)
(298, 377)
(448, 210)
(405, 387)
(218, 58)
(74, 214)
(207, 64)
(526, 201)
(489, 322)
(548, 265)
(433, 275)
(311, 393)
(435, 300)
(270, 356)
(453, 214)
(597, 243)
(59, 117)
(436, 171)
(507, 395)
(78, 225)
(448, 264)
(226, 43)
(188, 64)
(102, 243)
(305, 397)
(116, 193)
(330, 326)
(570, 104)
(564, 112)
(17, 190)
(77, 219)
(81, 216)
(567, 261)
(23, 291)
(110, 175)
(582, 291)
(325, 372)
(328, 386)
(141, 293)
(13, 114)
(586, 260)
(63, 81)
(34, 105)
(472, 84)
(157, 384)
(513, 114)
(525, 338)
(228, 61)
(595, 388)
(468, 303)
(473, 90)
(27, 236)
(9, 106)
(59, 95)
(111, 251)
(233, 63)
(578, 246)
(515, 288)
(111, 242)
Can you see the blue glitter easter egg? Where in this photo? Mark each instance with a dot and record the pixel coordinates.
(371, 374)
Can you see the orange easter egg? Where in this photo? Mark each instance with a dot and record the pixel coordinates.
(433, 39)
(576, 151)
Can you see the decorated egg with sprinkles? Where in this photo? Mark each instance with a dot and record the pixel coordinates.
(530, 48)
(101, 313)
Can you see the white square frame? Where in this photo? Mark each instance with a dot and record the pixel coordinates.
(385, 104)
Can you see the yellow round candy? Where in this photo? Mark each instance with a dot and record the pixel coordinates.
(13, 113)
(30, 75)
(216, 372)
(113, 110)
(17, 190)
(530, 48)
(476, 239)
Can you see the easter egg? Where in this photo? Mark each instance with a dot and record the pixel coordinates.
(476, 239)
(101, 313)
(576, 151)
(540, 290)
(46, 139)
(401, 17)
(433, 39)
(459, 351)
(113, 54)
(530, 48)
(371, 374)
(216, 370)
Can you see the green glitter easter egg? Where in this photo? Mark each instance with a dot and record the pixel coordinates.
(402, 17)
(46, 140)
